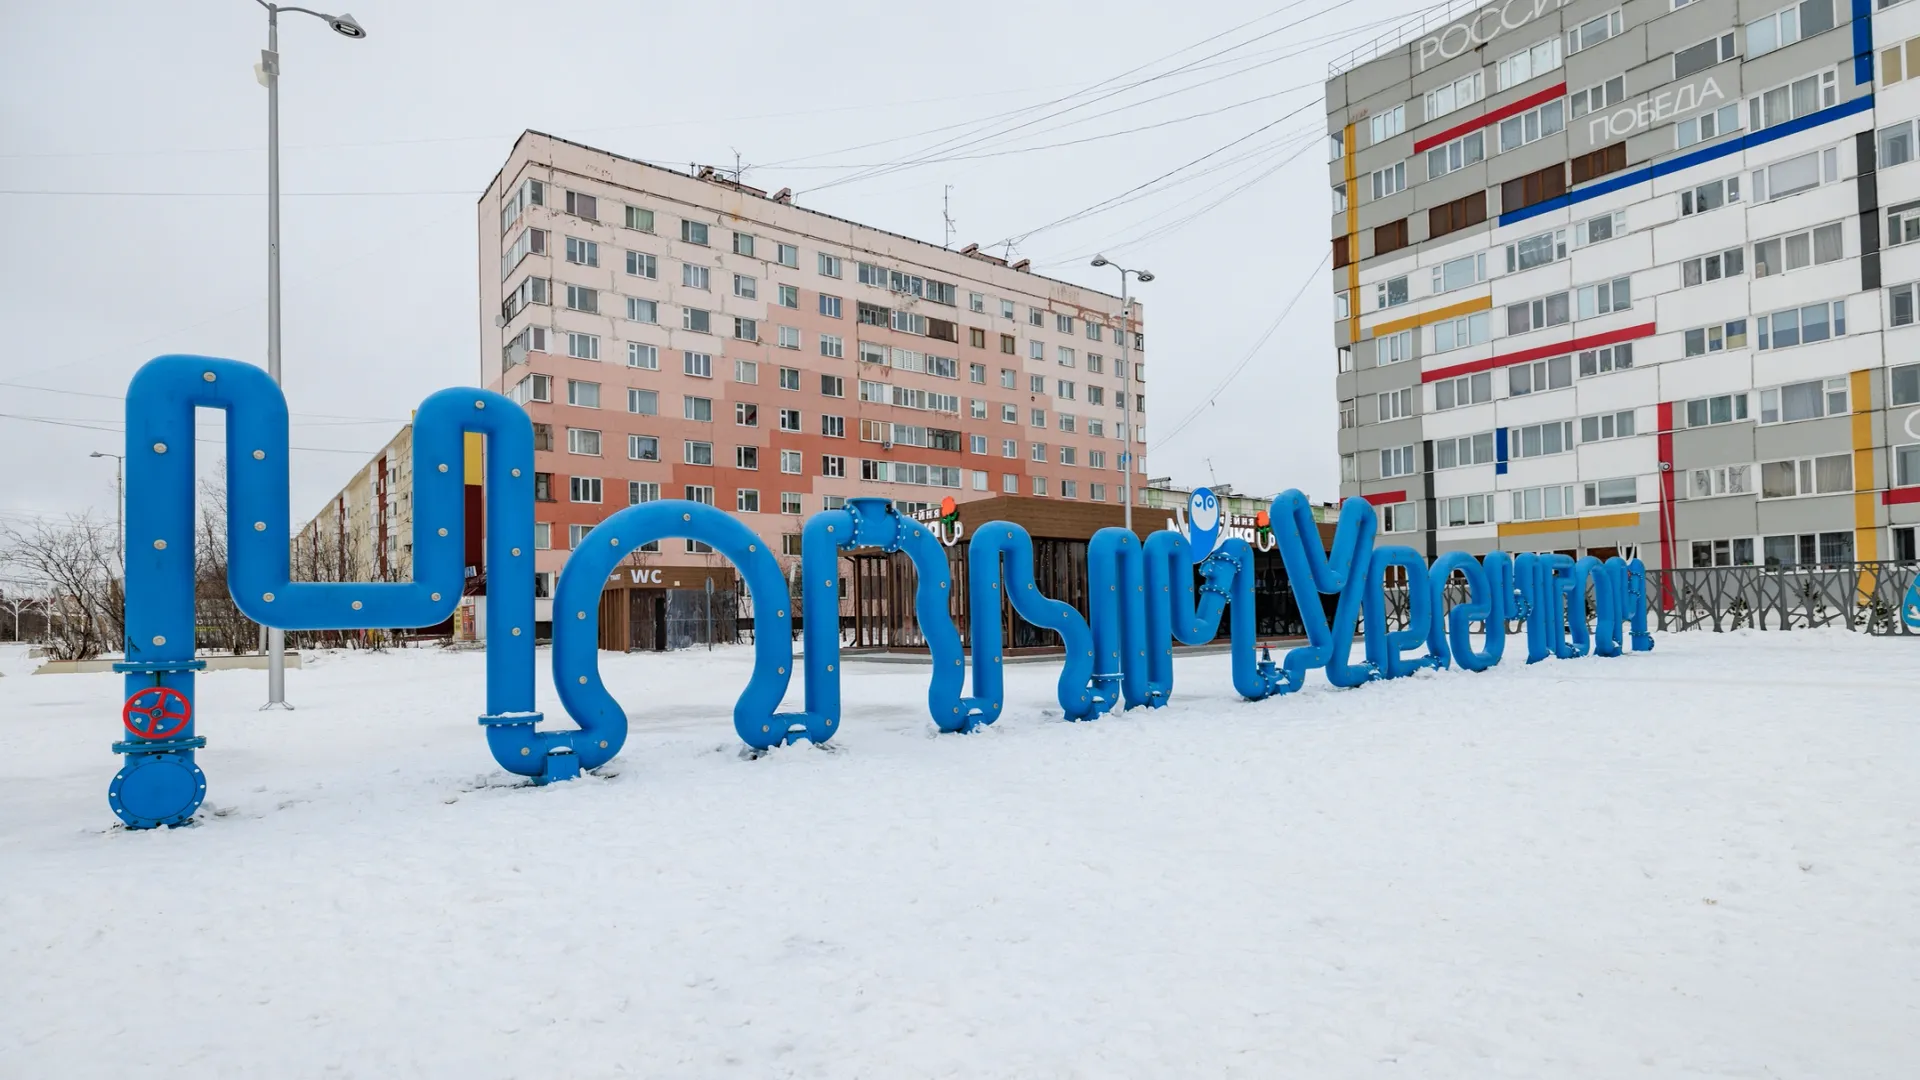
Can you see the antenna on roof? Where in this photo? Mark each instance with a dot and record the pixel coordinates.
(946, 213)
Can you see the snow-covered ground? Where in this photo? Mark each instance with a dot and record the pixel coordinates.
(1703, 861)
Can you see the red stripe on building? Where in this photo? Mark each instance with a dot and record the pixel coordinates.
(1387, 498)
(1663, 422)
(1592, 341)
(1511, 109)
(1896, 496)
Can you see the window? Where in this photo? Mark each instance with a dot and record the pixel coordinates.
(1716, 338)
(693, 232)
(976, 302)
(1535, 187)
(1466, 390)
(1802, 326)
(746, 457)
(639, 219)
(1540, 376)
(1009, 448)
(643, 402)
(1395, 404)
(1064, 355)
(697, 453)
(1457, 94)
(1607, 159)
(1459, 333)
(1009, 414)
(1389, 237)
(1621, 492)
(1461, 510)
(1603, 298)
(1604, 227)
(1611, 358)
(1039, 485)
(1531, 126)
(833, 465)
(639, 491)
(1343, 356)
(830, 306)
(696, 320)
(1706, 268)
(1391, 349)
(1783, 28)
(1390, 293)
(743, 244)
(1616, 425)
(642, 311)
(529, 242)
(1796, 250)
(1349, 469)
(577, 534)
(1036, 350)
(1342, 253)
(1069, 455)
(746, 414)
(1905, 385)
(1385, 125)
(1710, 196)
(1597, 97)
(1465, 450)
(697, 408)
(1342, 304)
(1039, 418)
(789, 337)
(1707, 125)
(585, 395)
(1906, 465)
(1717, 482)
(697, 364)
(1536, 251)
(746, 371)
(1896, 144)
(533, 388)
(1095, 332)
(1543, 503)
(829, 265)
(746, 329)
(1006, 309)
(542, 536)
(1528, 63)
(745, 287)
(641, 264)
(1903, 224)
(1036, 384)
(789, 419)
(1540, 440)
(643, 448)
(1397, 518)
(789, 378)
(1594, 31)
(1735, 552)
(1532, 315)
(1720, 409)
(833, 427)
(583, 441)
(1802, 97)
(584, 489)
(1796, 174)
(543, 437)
(1390, 180)
(1096, 459)
(1696, 58)
(1065, 389)
(1803, 401)
(1397, 461)
(583, 346)
(1808, 549)
(1007, 344)
(695, 277)
(1036, 317)
(1806, 476)
(1460, 273)
(583, 205)
(531, 193)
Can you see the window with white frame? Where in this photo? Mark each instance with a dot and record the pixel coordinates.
(1718, 409)
(1607, 359)
(1535, 251)
(1802, 325)
(643, 402)
(643, 356)
(1795, 175)
(1465, 390)
(746, 414)
(585, 395)
(1809, 400)
(1903, 223)
(1536, 314)
(1339, 198)
(790, 379)
(1391, 349)
(1605, 426)
(583, 441)
(1904, 385)
(1788, 25)
(583, 346)
(533, 388)
(641, 264)
(1529, 63)
(696, 320)
(584, 489)
(1717, 481)
(1398, 518)
(1700, 57)
(1543, 503)
(1596, 229)
(695, 452)
(1458, 511)
(697, 408)
(1603, 297)
(1463, 451)
(577, 534)
(1599, 96)
(1460, 273)
(1342, 304)
(1540, 440)
(1390, 180)
(1897, 142)
(1390, 293)
(1349, 468)
(582, 252)
(1811, 247)
(1801, 97)
(697, 364)
(1719, 337)
(1595, 30)
(1622, 491)
(1395, 404)
(789, 419)
(643, 448)
(1737, 551)
(642, 491)
(1532, 125)
(746, 457)
(1703, 269)
(1807, 549)
(1457, 94)
(745, 287)
(1397, 461)
(1462, 332)
(1707, 126)
(1711, 195)
(1906, 465)
(1540, 376)
(1795, 477)
(1456, 155)
(1385, 125)
(789, 337)
(695, 277)
(642, 311)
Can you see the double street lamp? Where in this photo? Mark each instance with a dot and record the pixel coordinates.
(269, 73)
(1126, 428)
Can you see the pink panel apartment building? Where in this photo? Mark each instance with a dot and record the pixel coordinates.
(686, 336)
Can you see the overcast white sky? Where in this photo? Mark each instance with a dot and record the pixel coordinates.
(140, 97)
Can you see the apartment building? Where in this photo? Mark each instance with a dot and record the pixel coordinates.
(1634, 277)
(679, 335)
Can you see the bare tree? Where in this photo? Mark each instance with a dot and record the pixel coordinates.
(75, 565)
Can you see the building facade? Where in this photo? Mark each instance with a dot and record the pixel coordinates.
(686, 336)
(1634, 277)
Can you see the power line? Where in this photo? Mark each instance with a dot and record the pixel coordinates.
(340, 420)
(98, 425)
(468, 193)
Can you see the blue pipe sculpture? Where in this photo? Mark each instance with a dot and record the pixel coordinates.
(1142, 596)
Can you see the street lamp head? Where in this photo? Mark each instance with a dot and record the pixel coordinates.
(344, 25)
(96, 453)
(1099, 260)
(1144, 276)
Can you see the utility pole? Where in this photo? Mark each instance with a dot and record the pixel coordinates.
(946, 213)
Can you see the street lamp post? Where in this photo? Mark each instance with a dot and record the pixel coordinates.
(119, 505)
(344, 25)
(1126, 425)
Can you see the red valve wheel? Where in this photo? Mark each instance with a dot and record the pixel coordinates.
(167, 711)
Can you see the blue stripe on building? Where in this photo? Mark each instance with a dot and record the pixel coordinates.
(1500, 451)
(1862, 42)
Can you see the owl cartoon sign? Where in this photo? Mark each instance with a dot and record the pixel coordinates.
(1205, 523)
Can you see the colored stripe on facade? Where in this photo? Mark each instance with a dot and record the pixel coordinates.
(1686, 161)
(1386, 498)
(1900, 496)
(1663, 448)
(1514, 108)
(1862, 42)
(1592, 341)
(1559, 525)
(1451, 311)
(1866, 537)
(1353, 235)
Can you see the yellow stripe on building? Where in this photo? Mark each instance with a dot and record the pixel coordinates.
(1353, 235)
(1451, 311)
(1559, 525)
(1866, 537)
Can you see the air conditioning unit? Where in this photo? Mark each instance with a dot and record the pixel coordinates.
(886, 446)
